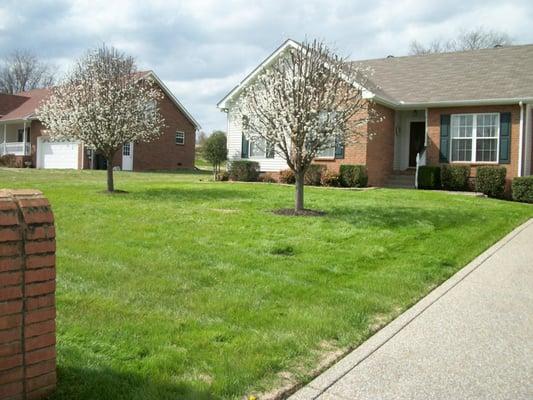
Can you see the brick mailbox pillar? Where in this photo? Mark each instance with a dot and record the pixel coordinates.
(27, 299)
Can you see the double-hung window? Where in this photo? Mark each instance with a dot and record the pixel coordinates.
(474, 137)
(180, 137)
(336, 147)
(260, 148)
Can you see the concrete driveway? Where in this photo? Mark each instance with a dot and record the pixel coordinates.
(471, 338)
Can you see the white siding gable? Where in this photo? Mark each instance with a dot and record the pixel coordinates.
(275, 164)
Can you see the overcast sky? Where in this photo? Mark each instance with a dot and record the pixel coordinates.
(203, 48)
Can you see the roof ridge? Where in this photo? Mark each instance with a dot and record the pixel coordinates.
(446, 53)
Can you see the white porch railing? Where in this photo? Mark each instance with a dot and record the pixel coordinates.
(15, 148)
(420, 161)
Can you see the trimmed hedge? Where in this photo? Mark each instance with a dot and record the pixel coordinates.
(522, 188)
(330, 178)
(454, 177)
(242, 170)
(490, 180)
(8, 160)
(313, 174)
(267, 178)
(353, 175)
(428, 177)
(287, 176)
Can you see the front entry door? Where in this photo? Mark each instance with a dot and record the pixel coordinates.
(127, 156)
(416, 141)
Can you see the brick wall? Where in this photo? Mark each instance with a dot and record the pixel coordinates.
(27, 300)
(434, 134)
(375, 151)
(163, 153)
(380, 148)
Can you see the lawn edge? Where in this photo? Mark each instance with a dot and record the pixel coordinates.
(332, 373)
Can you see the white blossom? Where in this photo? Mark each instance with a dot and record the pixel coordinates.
(104, 104)
(303, 102)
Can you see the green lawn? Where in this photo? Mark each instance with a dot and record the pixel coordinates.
(188, 289)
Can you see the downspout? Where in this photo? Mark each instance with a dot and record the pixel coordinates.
(528, 137)
(521, 139)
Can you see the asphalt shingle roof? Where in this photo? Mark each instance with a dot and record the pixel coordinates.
(28, 107)
(497, 73)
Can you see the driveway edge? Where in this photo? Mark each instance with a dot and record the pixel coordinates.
(324, 381)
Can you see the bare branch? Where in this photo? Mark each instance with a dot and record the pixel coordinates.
(474, 39)
(21, 71)
(305, 102)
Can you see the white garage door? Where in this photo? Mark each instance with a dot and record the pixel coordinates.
(60, 155)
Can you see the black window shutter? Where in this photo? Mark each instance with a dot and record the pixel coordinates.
(444, 138)
(244, 147)
(505, 138)
(339, 149)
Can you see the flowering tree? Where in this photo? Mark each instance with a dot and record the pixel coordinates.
(103, 104)
(305, 102)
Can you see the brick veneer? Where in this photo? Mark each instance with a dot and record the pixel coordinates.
(163, 153)
(27, 300)
(374, 147)
(434, 135)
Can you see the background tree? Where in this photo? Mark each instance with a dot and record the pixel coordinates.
(215, 151)
(103, 104)
(21, 71)
(479, 38)
(305, 102)
(201, 137)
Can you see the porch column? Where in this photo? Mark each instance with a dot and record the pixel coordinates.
(24, 139)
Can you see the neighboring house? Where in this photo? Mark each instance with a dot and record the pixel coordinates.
(472, 108)
(23, 135)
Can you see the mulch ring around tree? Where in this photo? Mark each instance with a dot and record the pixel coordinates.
(302, 213)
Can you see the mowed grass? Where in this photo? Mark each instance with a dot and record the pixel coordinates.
(188, 289)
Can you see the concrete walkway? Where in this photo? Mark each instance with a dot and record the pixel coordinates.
(471, 338)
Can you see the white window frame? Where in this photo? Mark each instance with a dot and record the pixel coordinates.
(259, 156)
(324, 153)
(126, 149)
(182, 138)
(474, 138)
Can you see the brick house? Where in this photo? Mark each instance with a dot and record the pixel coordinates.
(472, 108)
(23, 135)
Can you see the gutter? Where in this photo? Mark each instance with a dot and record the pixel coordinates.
(450, 103)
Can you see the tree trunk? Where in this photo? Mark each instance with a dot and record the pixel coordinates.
(110, 183)
(299, 194)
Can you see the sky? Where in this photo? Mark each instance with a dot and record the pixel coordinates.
(201, 49)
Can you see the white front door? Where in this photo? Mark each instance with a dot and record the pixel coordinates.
(127, 156)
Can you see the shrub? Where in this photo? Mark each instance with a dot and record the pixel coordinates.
(267, 178)
(353, 175)
(491, 180)
(522, 188)
(8, 160)
(223, 176)
(330, 178)
(243, 170)
(454, 177)
(428, 177)
(287, 176)
(314, 174)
